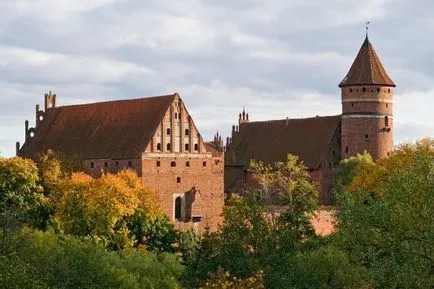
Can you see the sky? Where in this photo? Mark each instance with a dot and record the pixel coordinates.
(276, 58)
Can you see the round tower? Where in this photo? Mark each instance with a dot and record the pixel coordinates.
(367, 106)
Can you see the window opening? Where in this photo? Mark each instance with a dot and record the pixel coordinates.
(386, 121)
(173, 164)
(168, 131)
(168, 147)
(187, 146)
(178, 208)
(196, 147)
(178, 180)
(158, 146)
(158, 163)
(187, 164)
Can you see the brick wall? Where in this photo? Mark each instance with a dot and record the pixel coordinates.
(367, 121)
(206, 180)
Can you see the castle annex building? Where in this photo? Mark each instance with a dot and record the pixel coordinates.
(155, 136)
(366, 123)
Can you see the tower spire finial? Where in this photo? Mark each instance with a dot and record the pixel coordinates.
(367, 27)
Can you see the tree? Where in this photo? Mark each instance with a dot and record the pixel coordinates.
(114, 209)
(288, 186)
(386, 218)
(21, 197)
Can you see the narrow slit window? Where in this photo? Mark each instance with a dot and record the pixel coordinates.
(168, 147)
(187, 164)
(168, 131)
(158, 146)
(92, 165)
(196, 147)
(346, 149)
(187, 147)
(178, 180)
(187, 132)
(158, 163)
(178, 208)
(386, 121)
(105, 164)
(130, 164)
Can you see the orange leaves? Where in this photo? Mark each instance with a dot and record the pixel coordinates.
(99, 207)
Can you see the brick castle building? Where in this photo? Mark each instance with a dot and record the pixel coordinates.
(158, 139)
(366, 124)
(155, 136)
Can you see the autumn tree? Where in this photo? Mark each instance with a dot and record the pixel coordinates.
(21, 197)
(386, 217)
(114, 209)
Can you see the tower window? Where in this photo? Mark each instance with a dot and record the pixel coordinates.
(364, 89)
(187, 132)
(204, 164)
(168, 131)
(91, 165)
(116, 163)
(176, 115)
(187, 164)
(168, 146)
(366, 136)
(130, 164)
(173, 164)
(352, 105)
(346, 149)
(388, 90)
(378, 89)
(386, 121)
(178, 180)
(187, 146)
(387, 105)
(196, 147)
(178, 208)
(158, 146)
(105, 164)
(158, 163)
(351, 90)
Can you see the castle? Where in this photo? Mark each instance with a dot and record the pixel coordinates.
(366, 124)
(157, 138)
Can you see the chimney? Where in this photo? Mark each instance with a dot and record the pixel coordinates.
(17, 148)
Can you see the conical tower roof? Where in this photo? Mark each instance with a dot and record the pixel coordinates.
(367, 69)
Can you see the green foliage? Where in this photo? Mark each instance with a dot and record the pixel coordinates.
(386, 220)
(73, 263)
(21, 197)
(287, 185)
(224, 280)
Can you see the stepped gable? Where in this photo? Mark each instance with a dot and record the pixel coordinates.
(367, 69)
(118, 129)
(271, 141)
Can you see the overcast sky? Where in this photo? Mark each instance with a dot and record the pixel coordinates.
(281, 58)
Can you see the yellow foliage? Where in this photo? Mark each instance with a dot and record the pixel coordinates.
(224, 280)
(98, 207)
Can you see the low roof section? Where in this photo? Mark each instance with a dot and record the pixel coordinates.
(271, 141)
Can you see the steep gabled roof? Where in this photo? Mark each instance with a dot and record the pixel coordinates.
(271, 141)
(113, 129)
(367, 69)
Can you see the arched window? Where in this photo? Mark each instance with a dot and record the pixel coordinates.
(91, 165)
(196, 147)
(204, 164)
(173, 164)
(187, 146)
(168, 131)
(386, 121)
(176, 115)
(158, 146)
(178, 180)
(168, 147)
(178, 205)
(187, 132)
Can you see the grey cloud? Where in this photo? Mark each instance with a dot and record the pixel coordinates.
(278, 58)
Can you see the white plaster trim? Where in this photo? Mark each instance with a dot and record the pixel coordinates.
(367, 100)
(176, 155)
(365, 116)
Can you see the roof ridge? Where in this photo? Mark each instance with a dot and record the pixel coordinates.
(116, 100)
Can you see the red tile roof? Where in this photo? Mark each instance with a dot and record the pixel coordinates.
(271, 141)
(114, 129)
(367, 69)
